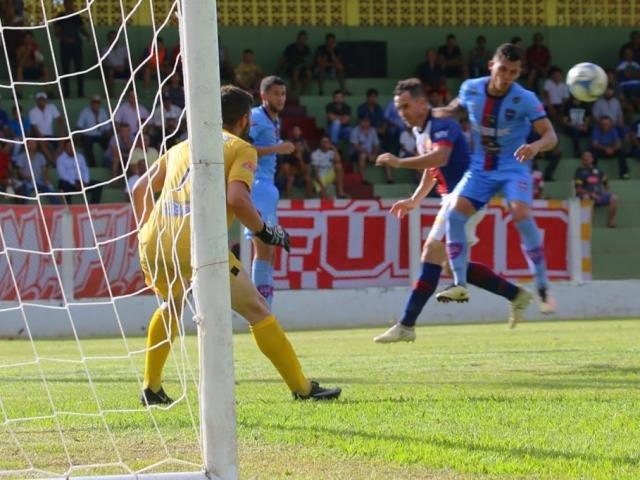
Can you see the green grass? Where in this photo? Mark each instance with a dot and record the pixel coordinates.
(549, 400)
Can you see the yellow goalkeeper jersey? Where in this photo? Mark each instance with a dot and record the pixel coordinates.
(169, 226)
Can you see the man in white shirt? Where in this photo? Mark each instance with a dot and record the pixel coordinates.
(555, 95)
(95, 128)
(609, 106)
(42, 117)
(73, 174)
(131, 113)
(327, 168)
(167, 116)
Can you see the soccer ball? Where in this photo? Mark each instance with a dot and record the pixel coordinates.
(587, 81)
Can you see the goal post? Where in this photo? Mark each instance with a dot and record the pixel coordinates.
(209, 238)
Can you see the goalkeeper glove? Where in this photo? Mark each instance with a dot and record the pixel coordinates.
(275, 235)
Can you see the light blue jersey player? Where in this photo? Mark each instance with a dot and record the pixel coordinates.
(444, 156)
(501, 113)
(265, 136)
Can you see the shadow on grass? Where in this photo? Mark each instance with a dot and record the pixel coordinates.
(540, 453)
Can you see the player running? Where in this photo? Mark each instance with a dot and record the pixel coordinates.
(444, 156)
(265, 135)
(501, 113)
(165, 252)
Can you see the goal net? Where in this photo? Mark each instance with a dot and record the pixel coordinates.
(90, 105)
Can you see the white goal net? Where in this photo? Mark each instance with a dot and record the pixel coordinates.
(89, 107)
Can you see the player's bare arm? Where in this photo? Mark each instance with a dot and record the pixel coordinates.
(402, 207)
(239, 200)
(435, 158)
(453, 109)
(282, 148)
(548, 140)
(142, 194)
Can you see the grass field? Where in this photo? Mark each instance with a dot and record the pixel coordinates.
(549, 400)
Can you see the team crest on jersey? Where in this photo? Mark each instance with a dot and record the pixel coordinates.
(509, 113)
(472, 91)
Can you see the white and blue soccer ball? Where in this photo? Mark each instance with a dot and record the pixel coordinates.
(587, 81)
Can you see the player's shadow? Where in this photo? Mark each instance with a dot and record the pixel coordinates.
(541, 453)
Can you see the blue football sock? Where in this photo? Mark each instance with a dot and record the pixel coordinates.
(532, 242)
(422, 290)
(262, 276)
(482, 276)
(457, 246)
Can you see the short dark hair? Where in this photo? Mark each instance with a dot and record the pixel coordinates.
(509, 51)
(270, 81)
(301, 33)
(247, 50)
(516, 39)
(372, 91)
(330, 35)
(411, 85)
(235, 104)
(337, 91)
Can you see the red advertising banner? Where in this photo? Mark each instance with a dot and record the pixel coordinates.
(334, 244)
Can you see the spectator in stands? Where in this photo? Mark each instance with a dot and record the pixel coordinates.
(33, 172)
(372, 109)
(157, 64)
(628, 76)
(327, 169)
(175, 59)
(68, 28)
(555, 95)
(395, 127)
(431, 73)
(227, 73)
(296, 62)
(296, 137)
(576, 120)
(143, 151)
(42, 117)
(606, 143)
(73, 174)
(609, 106)
(479, 58)
(119, 148)
(248, 73)
(12, 37)
(451, 57)
(365, 146)
(328, 63)
(553, 156)
(175, 89)
(407, 144)
(338, 118)
(18, 127)
(115, 60)
(30, 61)
(592, 184)
(8, 181)
(633, 137)
(4, 122)
(164, 121)
(294, 169)
(634, 44)
(524, 70)
(436, 99)
(131, 112)
(538, 62)
(95, 127)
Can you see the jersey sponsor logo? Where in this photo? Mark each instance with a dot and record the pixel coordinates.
(249, 166)
(454, 249)
(523, 185)
(171, 208)
(441, 134)
(509, 114)
(489, 131)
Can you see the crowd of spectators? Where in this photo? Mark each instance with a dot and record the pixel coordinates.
(127, 140)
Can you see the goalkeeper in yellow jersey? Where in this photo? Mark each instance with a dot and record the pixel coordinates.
(165, 252)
